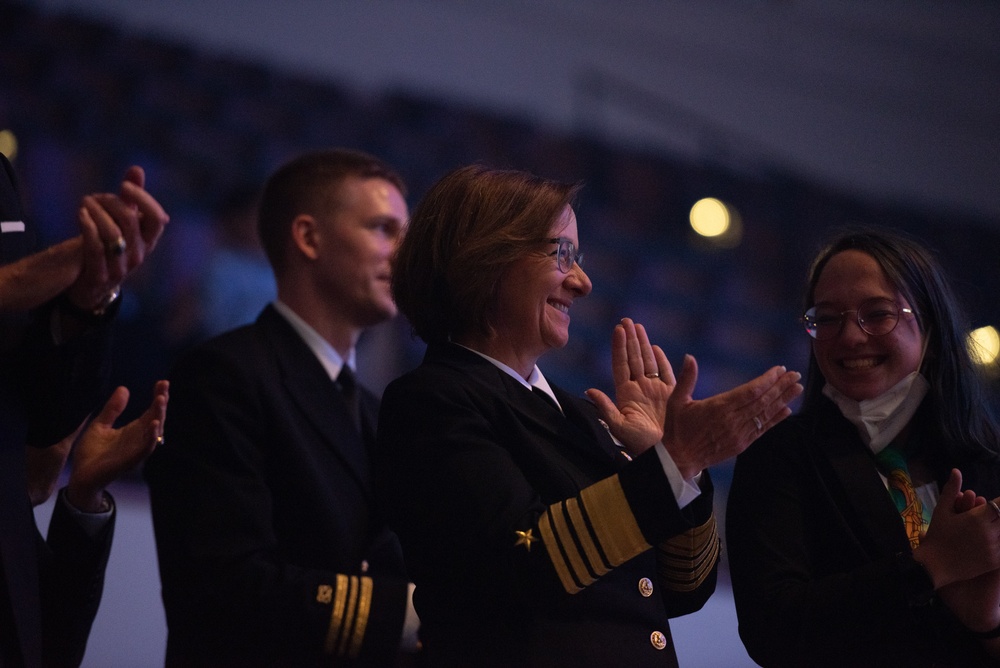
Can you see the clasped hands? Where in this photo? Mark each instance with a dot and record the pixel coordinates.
(652, 405)
(117, 232)
(961, 553)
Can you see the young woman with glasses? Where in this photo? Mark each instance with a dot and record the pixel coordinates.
(849, 538)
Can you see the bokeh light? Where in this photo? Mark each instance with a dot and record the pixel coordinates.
(716, 222)
(710, 217)
(984, 345)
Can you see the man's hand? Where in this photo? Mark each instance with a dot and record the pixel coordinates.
(104, 453)
(118, 232)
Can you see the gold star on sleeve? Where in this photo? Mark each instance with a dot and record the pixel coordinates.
(525, 538)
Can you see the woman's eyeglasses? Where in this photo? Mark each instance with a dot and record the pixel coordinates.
(877, 317)
(566, 254)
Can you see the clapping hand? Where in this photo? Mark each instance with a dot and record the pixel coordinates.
(643, 380)
(974, 601)
(118, 233)
(700, 433)
(103, 453)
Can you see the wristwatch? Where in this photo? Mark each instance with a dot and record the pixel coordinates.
(90, 314)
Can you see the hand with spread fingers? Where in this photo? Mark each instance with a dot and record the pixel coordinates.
(118, 232)
(104, 453)
(643, 381)
(700, 433)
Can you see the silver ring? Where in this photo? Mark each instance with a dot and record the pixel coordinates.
(118, 247)
(757, 423)
(655, 374)
(996, 509)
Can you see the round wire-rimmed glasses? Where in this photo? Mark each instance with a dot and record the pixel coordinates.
(876, 317)
(566, 254)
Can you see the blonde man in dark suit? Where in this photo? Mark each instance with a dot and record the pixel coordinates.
(270, 549)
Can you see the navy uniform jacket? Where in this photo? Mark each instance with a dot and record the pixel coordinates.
(49, 589)
(269, 550)
(822, 570)
(528, 534)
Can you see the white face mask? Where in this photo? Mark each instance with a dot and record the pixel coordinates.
(880, 420)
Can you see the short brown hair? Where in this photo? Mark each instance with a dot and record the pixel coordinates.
(469, 228)
(307, 184)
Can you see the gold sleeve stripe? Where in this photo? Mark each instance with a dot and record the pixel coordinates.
(686, 560)
(337, 615)
(614, 524)
(352, 604)
(364, 608)
(557, 554)
(688, 579)
(588, 535)
(595, 555)
(566, 530)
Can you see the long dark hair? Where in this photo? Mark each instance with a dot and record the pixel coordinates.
(959, 401)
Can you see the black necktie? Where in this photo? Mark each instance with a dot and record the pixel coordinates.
(349, 388)
(546, 397)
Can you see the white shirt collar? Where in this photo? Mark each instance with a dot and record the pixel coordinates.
(325, 353)
(535, 378)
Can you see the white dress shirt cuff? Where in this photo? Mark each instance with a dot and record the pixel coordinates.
(410, 642)
(685, 491)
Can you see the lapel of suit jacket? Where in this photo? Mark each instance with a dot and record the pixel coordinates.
(310, 388)
(854, 467)
(583, 414)
(577, 430)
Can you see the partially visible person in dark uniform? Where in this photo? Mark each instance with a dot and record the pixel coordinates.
(533, 540)
(55, 311)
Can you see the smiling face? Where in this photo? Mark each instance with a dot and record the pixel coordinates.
(533, 307)
(857, 364)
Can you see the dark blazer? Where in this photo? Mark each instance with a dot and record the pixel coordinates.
(49, 588)
(270, 552)
(821, 566)
(527, 533)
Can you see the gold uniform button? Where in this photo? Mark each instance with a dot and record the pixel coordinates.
(646, 587)
(658, 640)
